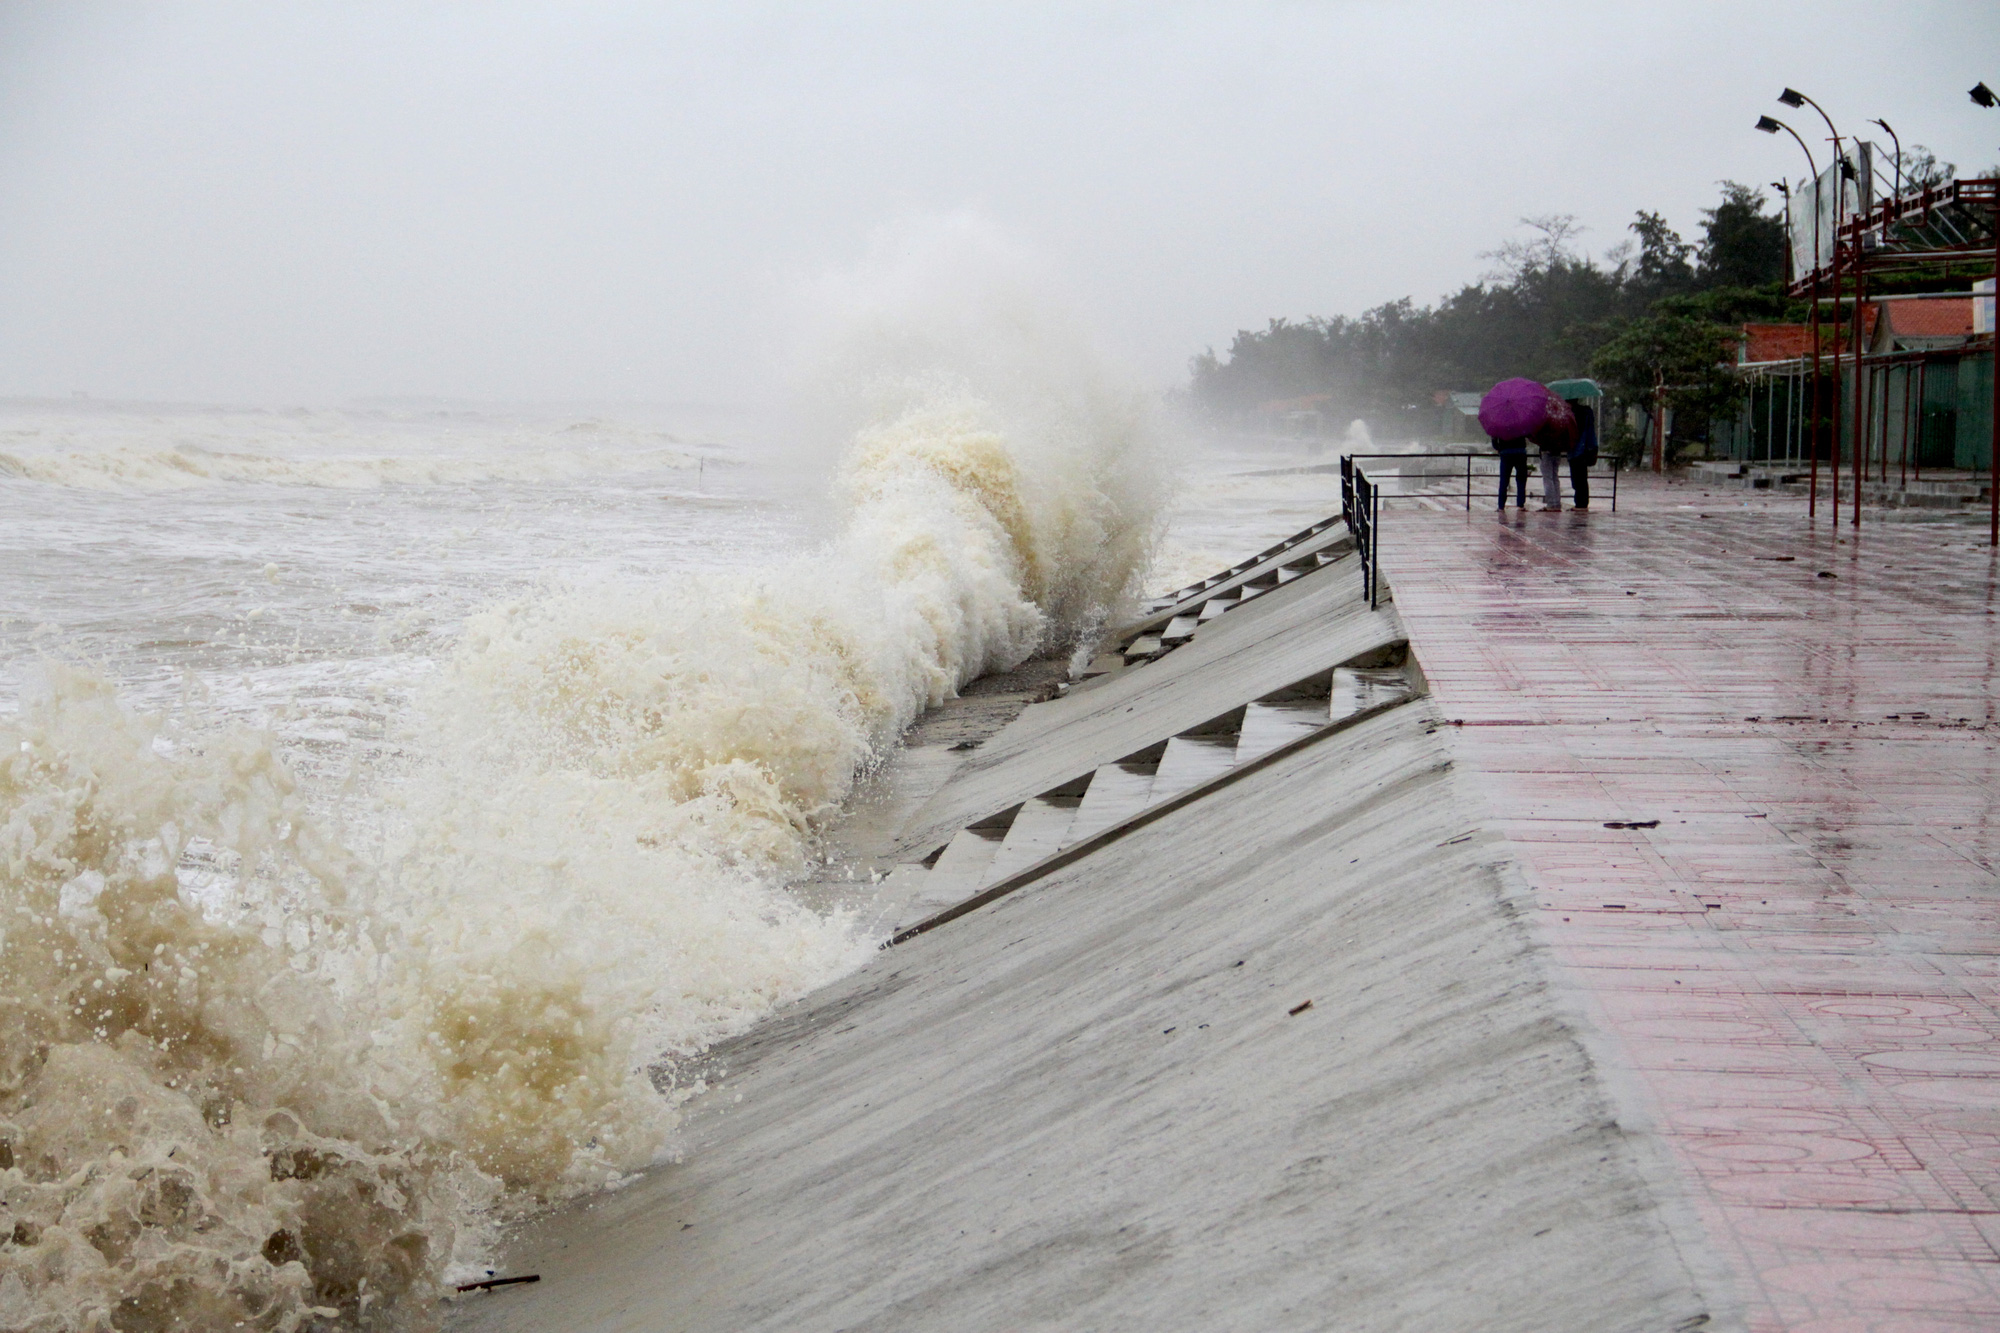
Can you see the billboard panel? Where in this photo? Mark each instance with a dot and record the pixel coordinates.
(1829, 199)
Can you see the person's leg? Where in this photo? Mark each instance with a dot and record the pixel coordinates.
(1551, 488)
(1579, 483)
(1504, 469)
(1521, 481)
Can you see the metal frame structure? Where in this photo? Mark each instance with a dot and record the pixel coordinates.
(1957, 223)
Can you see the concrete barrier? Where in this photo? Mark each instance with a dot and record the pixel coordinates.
(1283, 1058)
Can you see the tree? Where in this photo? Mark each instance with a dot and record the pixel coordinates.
(1671, 361)
(1662, 268)
(1547, 312)
(1550, 248)
(1741, 244)
(1921, 168)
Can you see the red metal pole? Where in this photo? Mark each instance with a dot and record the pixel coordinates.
(1833, 427)
(1812, 398)
(1860, 415)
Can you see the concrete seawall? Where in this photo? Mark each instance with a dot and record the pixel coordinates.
(1283, 1055)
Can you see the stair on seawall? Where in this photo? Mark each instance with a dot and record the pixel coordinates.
(1172, 620)
(1326, 531)
(1291, 632)
(862, 847)
(1097, 803)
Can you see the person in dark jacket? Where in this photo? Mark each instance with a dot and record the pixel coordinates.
(1583, 455)
(1514, 463)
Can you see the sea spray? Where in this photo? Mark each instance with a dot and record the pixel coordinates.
(195, 1130)
(271, 1064)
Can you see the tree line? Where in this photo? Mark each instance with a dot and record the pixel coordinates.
(1659, 310)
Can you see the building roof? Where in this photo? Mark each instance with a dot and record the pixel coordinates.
(1938, 317)
(1775, 342)
(1789, 342)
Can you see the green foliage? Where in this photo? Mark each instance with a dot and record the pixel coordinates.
(1741, 245)
(1662, 268)
(1676, 361)
(1547, 312)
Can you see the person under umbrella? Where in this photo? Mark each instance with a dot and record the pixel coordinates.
(1584, 455)
(1513, 463)
(1556, 438)
(1509, 413)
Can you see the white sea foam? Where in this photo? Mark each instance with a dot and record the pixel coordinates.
(261, 1058)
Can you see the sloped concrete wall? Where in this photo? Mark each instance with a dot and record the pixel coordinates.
(1283, 636)
(1088, 1106)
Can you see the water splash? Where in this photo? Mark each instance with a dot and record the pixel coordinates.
(266, 1064)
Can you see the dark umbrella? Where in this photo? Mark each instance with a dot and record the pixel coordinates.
(1559, 431)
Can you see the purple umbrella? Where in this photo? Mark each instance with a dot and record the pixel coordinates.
(1514, 408)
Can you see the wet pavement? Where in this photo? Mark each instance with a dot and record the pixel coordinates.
(1752, 772)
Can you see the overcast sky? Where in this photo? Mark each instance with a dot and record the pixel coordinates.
(612, 201)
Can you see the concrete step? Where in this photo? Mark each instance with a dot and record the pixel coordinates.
(1951, 492)
(1356, 688)
(1019, 837)
(1116, 793)
(1190, 761)
(1038, 831)
(1217, 605)
(961, 867)
(1266, 726)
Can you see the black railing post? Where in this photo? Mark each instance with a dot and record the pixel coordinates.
(1374, 547)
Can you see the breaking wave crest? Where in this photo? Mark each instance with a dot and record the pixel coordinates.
(273, 1064)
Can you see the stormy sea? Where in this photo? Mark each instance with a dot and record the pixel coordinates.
(393, 793)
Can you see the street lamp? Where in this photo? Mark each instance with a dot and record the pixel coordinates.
(1794, 98)
(1899, 152)
(1771, 126)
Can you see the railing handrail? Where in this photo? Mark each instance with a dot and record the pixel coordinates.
(1361, 506)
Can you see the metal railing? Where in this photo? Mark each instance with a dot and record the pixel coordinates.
(1362, 497)
(1361, 506)
(1454, 483)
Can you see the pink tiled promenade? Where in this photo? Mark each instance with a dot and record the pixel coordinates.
(1797, 972)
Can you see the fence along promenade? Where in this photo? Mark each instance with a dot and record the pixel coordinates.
(1362, 496)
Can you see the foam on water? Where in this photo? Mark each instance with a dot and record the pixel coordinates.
(266, 1062)
(351, 450)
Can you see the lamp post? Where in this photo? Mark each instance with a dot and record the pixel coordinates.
(1784, 189)
(1899, 153)
(1771, 126)
(1983, 95)
(1792, 97)
(1889, 374)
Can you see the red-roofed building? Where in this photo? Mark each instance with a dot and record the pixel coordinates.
(1922, 325)
(1926, 395)
(1763, 343)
